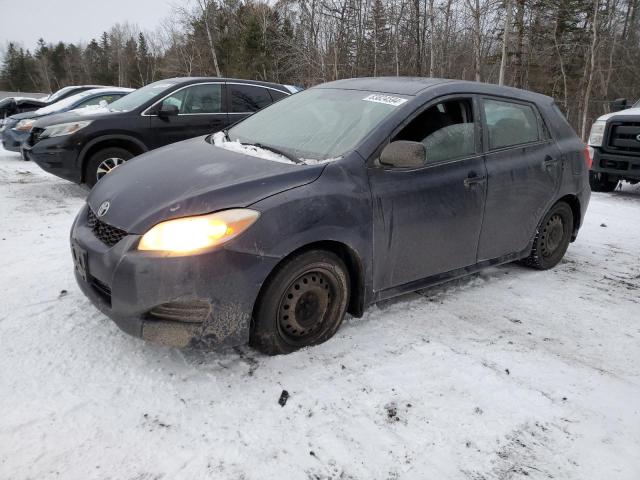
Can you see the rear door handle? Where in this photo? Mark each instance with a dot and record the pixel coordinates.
(549, 161)
(473, 180)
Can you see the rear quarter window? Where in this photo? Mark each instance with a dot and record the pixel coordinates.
(248, 98)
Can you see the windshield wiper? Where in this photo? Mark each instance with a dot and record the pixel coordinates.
(276, 150)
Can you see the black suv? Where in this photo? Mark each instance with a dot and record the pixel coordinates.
(84, 146)
(615, 148)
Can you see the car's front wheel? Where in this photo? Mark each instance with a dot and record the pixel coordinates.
(600, 182)
(302, 303)
(103, 162)
(552, 238)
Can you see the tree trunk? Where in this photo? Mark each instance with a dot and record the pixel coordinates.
(505, 42)
(591, 70)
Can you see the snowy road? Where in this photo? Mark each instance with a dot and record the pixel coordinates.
(512, 373)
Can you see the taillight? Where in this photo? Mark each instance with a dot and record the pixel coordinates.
(588, 156)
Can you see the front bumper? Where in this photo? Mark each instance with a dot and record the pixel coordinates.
(12, 140)
(622, 166)
(129, 285)
(56, 155)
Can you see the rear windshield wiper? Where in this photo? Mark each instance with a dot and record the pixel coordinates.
(276, 150)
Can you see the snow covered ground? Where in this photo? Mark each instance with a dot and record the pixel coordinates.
(512, 373)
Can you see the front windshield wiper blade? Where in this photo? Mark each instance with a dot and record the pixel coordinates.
(276, 150)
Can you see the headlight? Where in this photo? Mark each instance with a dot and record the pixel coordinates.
(25, 125)
(64, 128)
(597, 133)
(191, 234)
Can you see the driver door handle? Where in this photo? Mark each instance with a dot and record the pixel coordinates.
(473, 179)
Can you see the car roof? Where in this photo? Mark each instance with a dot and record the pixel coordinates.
(417, 85)
(189, 80)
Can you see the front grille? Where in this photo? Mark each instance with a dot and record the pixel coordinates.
(34, 136)
(623, 137)
(106, 233)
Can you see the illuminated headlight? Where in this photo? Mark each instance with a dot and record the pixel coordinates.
(193, 234)
(597, 133)
(64, 128)
(25, 125)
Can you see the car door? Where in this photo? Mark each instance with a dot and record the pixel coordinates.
(523, 171)
(427, 220)
(201, 110)
(246, 99)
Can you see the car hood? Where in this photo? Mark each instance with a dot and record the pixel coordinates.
(191, 177)
(75, 116)
(22, 116)
(621, 113)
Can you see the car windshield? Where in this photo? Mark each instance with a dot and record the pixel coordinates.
(54, 96)
(317, 124)
(141, 96)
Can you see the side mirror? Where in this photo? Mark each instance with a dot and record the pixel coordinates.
(404, 154)
(168, 110)
(619, 104)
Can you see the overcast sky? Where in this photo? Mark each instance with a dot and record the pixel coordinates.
(25, 21)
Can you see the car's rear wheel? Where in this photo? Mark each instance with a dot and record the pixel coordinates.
(552, 239)
(103, 162)
(600, 182)
(303, 303)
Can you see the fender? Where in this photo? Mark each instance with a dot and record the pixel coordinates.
(119, 136)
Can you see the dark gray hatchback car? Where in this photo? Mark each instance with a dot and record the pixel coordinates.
(325, 202)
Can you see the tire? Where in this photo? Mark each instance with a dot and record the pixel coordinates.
(302, 303)
(109, 157)
(600, 182)
(552, 238)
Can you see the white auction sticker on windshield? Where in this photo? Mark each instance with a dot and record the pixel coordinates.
(386, 99)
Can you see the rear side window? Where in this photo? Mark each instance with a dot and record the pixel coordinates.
(247, 98)
(446, 129)
(510, 123)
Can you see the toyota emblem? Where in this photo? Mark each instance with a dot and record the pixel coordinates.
(104, 208)
(638, 138)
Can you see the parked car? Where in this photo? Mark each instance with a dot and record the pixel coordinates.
(17, 127)
(84, 147)
(334, 198)
(615, 147)
(12, 105)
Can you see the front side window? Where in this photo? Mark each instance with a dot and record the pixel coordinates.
(446, 129)
(247, 98)
(510, 123)
(198, 99)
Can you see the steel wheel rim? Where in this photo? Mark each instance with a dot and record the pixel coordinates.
(306, 305)
(552, 235)
(108, 165)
